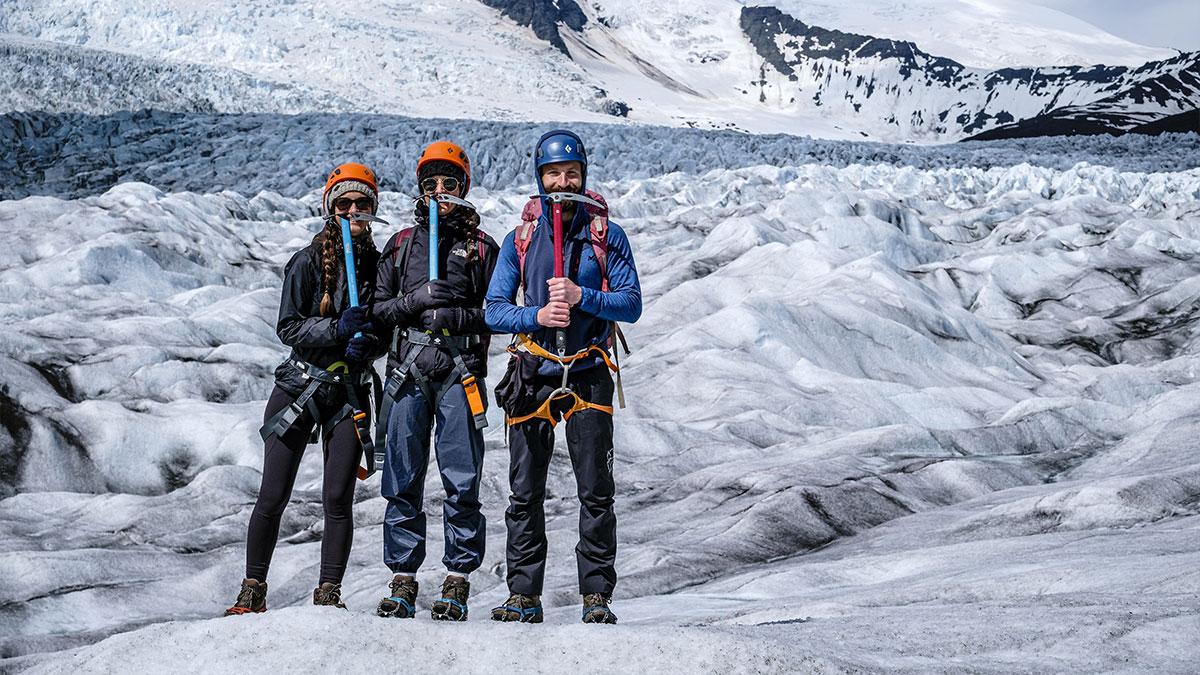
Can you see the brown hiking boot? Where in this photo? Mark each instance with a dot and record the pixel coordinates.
(328, 594)
(523, 608)
(453, 604)
(595, 609)
(402, 603)
(252, 599)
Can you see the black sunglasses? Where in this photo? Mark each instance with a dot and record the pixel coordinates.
(449, 184)
(363, 203)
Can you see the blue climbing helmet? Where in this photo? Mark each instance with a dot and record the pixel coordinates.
(559, 145)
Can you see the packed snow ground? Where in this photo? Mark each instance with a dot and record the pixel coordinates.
(881, 418)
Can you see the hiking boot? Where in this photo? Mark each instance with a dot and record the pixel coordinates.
(523, 608)
(328, 594)
(595, 609)
(453, 605)
(252, 599)
(402, 603)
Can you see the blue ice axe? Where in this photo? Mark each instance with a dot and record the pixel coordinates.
(433, 227)
(359, 417)
(348, 248)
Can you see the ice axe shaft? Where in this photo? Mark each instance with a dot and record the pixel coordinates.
(432, 200)
(433, 239)
(351, 278)
(560, 335)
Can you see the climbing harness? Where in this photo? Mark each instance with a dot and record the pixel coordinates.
(546, 409)
(337, 374)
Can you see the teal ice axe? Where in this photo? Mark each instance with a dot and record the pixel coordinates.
(434, 270)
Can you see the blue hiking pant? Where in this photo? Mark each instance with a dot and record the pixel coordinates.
(459, 449)
(590, 443)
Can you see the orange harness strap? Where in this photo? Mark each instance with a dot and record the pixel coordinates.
(534, 348)
(543, 410)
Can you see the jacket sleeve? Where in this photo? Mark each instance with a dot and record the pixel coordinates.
(389, 307)
(502, 314)
(623, 301)
(370, 296)
(295, 328)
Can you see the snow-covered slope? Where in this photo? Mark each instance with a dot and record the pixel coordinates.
(902, 91)
(417, 58)
(869, 69)
(43, 75)
(979, 33)
(881, 418)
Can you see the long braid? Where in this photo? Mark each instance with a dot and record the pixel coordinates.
(330, 258)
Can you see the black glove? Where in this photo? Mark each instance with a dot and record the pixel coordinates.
(433, 293)
(353, 320)
(360, 347)
(449, 318)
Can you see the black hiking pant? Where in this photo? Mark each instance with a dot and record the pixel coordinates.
(590, 443)
(281, 460)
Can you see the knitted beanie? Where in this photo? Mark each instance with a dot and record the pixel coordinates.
(345, 186)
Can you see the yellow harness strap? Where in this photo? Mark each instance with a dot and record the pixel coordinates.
(543, 410)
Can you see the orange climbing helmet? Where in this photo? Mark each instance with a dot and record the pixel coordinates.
(350, 177)
(447, 152)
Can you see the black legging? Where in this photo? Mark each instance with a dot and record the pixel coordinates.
(281, 461)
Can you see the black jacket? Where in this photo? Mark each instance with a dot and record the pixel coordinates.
(312, 337)
(460, 264)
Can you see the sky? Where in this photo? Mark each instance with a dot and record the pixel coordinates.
(1154, 23)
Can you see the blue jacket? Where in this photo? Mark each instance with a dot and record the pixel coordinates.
(589, 318)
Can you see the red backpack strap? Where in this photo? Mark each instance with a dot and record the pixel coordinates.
(400, 246)
(399, 250)
(521, 239)
(599, 232)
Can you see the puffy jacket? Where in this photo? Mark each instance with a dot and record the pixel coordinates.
(312, 337)
(459, 264)
(590, 317)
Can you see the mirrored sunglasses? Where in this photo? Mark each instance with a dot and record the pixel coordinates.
(449, 184)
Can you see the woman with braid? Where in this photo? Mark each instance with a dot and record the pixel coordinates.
(322, 389)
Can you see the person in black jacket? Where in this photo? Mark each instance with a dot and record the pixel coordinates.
(436, 369)
(325, 380)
